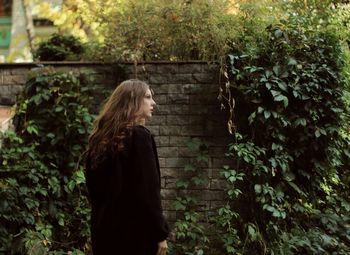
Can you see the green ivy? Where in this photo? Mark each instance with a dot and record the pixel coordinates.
(190, 228)
(44, 207)
(292, 143)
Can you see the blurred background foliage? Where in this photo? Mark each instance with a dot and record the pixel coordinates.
(179, 30)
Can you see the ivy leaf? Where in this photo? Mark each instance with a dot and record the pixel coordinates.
(257, 188)
(275, 93)
(277, 70)
(283, 86)
(189, 168)
(292, 61)
(267, 114)
(282, 98)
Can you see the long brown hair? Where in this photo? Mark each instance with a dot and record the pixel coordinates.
(117, 117)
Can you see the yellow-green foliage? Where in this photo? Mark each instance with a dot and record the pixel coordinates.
(162, 29)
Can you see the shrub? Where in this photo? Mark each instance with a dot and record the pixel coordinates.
(44, 208)
(291, 122)
(59, 48)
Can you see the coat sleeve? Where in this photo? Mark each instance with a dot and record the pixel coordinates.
(148, 184)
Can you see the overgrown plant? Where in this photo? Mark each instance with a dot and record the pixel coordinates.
(190, 228)
(292, 119)
(44, 208)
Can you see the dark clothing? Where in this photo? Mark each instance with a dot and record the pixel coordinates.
(126, 217)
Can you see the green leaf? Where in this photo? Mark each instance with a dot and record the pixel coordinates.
(189, 168)
(292, 61)
(275, 93)
(277, 70)
(296, 188)
(282, 98)
(283, 86)
(59, 108)
(257, 188)
(267, 114)
(182, 184)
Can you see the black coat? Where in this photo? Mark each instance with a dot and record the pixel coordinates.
(126, 216)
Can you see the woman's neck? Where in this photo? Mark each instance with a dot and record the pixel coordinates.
(141, 121)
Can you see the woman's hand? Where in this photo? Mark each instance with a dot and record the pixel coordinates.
(162, 248)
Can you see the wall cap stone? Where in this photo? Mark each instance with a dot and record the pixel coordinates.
(78, 63)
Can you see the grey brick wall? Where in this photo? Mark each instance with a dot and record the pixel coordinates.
(187, 106)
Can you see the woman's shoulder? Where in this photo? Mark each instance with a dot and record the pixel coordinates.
(142, 130)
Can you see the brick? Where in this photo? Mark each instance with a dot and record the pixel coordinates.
(218, 184)
(168, 204)
(162, 183)
(190, 68)
(201, 109)
(178, 140)
(162, 163)
(192, 88)
(204, 195)
(18, 71)
(162, 140)
(178, 99)
(159, 78)
(160, 89)
(170, 130)
(216, 204)
(171, 172)
(177, 120)
(218, 151)
(182, 78)
(192, 130)
(168, 151)
(168, 193)
(203, 98)
(210, 68)
(156, 120)
(15, 79)
(221, 139)
(176, 162)
(186, 152)
(170, 216)
(160, 99)
(143, 69)
(220, 162)
(154, 129)
(149, 68)
(205, 77)
(173, 109)
(5, 72)
(168, 68)
(216, 173)
(170, 183)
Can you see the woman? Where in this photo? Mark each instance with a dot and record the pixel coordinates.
(123, 178)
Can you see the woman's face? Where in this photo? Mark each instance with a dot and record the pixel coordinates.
(147, 105)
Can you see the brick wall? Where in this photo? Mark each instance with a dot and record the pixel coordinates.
(187, 106)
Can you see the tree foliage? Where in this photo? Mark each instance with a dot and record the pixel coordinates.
(58, 48)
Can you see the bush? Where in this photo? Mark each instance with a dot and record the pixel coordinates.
(44, 207)
(59, 48)
(291, 125)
